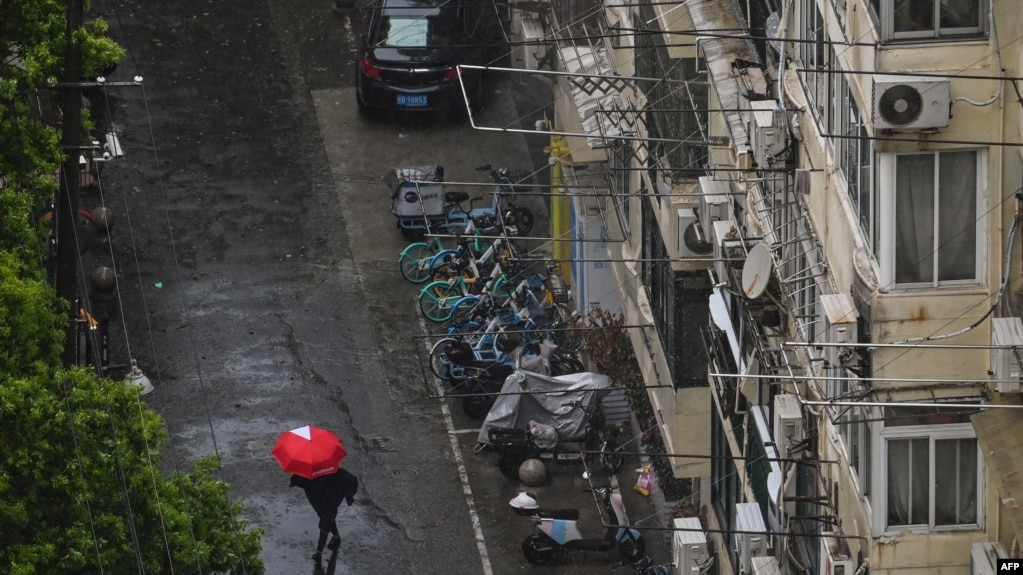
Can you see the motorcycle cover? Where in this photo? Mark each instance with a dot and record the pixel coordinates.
(544, 399)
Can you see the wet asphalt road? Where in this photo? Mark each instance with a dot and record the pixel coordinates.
(259, 288)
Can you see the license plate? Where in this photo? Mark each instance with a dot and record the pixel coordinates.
(408, 100)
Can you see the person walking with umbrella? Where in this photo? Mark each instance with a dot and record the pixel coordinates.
(325, 493)
(313, 456)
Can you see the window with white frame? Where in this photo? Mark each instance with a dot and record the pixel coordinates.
(814, 54)
(853, 423)
(931, 226)
(931, 468)
(931, 19)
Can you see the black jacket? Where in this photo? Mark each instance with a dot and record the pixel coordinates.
(326, 492)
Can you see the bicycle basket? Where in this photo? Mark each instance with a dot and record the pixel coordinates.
(536, 281)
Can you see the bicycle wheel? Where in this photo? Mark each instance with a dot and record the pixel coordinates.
(440, 365)
(521, 218)
(611, 458)
(435, 300)
(463, 310)
(414, 262)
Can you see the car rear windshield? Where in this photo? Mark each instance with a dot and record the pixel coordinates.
(406, 31)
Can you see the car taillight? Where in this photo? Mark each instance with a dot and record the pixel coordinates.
(369, 70)
(451, 74)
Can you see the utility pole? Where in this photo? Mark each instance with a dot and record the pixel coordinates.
(66, 205)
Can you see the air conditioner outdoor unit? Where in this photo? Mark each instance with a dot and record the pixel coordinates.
(532, 51)
(837, 324)
(1005, 362)
(766, 566)
(788, 423)
(835, 556)
(688, 546)
(910, 102)
(767, 132)
(728, 252)
(752, 539)
(694, 241)
(715, 202)
(984, 558)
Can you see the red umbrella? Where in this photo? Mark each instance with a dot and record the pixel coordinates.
(309, 451)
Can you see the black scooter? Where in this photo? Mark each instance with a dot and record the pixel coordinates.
(557, 530)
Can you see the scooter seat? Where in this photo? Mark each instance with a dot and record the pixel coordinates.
(566, 514)
(456, 197)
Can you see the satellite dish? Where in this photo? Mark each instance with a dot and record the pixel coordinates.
(756, 272)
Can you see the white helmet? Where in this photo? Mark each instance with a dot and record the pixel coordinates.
(524, 500)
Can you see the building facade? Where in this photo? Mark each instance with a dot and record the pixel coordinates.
(809, 212)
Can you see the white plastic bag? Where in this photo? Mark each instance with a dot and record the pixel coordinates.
(544, 436)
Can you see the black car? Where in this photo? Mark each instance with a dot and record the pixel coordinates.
(412, 47)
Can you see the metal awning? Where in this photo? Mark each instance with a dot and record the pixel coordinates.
(725, 57)
(999, 432)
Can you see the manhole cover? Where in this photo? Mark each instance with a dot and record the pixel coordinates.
(405, 473)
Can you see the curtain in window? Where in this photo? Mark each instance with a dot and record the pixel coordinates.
(914, 15)
(957, 216)
(955, 487)
(914, 216)
(960, 13)
(908, 481)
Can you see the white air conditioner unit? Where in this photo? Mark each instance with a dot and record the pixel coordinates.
(1005, 362)
(837, 324)
(835, 556)
(688, 546)
(984, 558)
(788, 423)
(694, 241)
(715, 202)
(910, 102)
(728, 252)
(765, 566)
(767, 132)
(532, 51)
(752, 539)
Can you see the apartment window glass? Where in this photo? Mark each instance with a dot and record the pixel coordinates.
(925, 19)
(935, 198)
(933, 470)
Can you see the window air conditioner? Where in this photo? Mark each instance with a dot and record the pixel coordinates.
(767, 132)
(835, 557)
(752, 541)
(688, 547)
(694, 240)
(984, 558)
(715, 202)
(1005, 363)
(910, 102)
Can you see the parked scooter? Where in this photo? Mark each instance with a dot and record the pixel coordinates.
(557, 530)
(514, 446)
(484, 379)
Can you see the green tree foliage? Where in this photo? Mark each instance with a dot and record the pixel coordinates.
(80, 486)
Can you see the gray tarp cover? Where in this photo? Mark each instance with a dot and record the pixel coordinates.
(516, 410)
